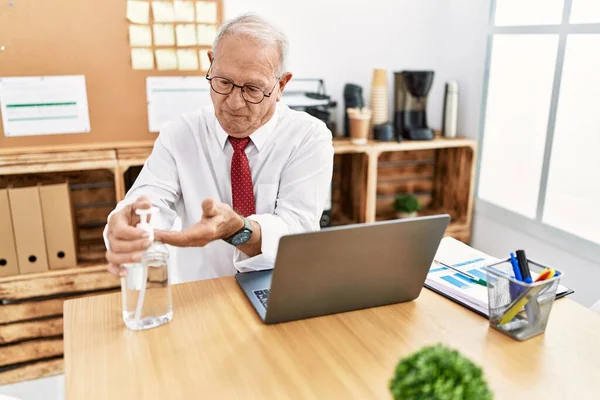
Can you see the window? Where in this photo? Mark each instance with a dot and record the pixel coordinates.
(540, 147)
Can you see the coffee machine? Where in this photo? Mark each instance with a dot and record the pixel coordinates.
(410, 99)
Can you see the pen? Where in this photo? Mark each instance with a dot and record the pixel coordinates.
(471, 277)
(547, 274)
(524, 266)
(515, 265)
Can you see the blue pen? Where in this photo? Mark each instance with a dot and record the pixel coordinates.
(515, 265)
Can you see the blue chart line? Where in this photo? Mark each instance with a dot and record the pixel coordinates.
(437, 269)
(455, 282)
(462, 277)
(478, 273)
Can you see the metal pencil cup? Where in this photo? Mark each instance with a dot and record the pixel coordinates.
(519, 309)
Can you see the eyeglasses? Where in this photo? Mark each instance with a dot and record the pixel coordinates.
(250, 93)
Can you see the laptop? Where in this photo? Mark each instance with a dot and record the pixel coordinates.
(345, 268)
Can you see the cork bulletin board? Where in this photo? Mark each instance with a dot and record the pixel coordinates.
(82, 37)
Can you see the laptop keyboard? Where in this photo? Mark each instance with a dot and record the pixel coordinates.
(262, 295)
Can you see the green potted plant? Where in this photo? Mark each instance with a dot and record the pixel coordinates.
(406, 205)
(438, 373)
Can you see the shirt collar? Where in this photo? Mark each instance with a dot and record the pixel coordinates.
(258, 138)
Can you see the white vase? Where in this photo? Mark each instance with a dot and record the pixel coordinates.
(401, 215)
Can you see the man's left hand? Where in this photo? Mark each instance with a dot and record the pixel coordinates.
(219, 221)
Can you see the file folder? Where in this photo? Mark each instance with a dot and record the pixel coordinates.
(28, 227)
(8, 252)
(57, 214)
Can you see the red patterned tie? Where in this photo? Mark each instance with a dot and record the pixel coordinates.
(242, 191)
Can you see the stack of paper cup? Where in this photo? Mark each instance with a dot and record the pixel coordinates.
(359, 119)
(379, 97)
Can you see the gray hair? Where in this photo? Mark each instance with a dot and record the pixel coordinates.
(261, 31)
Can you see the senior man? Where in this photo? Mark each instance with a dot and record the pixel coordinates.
(240, 174)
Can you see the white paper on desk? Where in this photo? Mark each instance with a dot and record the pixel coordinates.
(187, 60)
(138, 12)
(142, 59)
(206, 34)
(166, 59)
(44, 105)
(169, 97)
(140, 36)
(164, 35)
(184, 11)
(206, 12)
(163, 11)
(186, 35)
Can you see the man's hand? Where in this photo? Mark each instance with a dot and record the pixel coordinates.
(125, 241)
(219, 221)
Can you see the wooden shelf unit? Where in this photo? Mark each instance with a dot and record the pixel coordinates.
(31, 305)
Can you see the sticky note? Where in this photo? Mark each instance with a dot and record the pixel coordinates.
(187, 60)
(204, 61)
(163, 11)
(186, 35)
(142, 59)
(184, 11)
(140, 36)
(166, 59)
(138, 12)
(164, 35)
(206, 34)
(206, 11)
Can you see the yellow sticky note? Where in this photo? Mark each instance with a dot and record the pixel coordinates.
(140, 36)
(204, 61)
(206, 11)
(163, 11)
(206, 34)
(166, 59)
(187, 60)
(142, 59)
(184, 11)
(164, 35)
(138, 12)
(186, 35)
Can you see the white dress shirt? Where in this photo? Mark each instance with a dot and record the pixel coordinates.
(291, 160)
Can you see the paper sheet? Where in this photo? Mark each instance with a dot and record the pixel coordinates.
(44, 105)
(163, 11)
(142, 59)
(166, 59)
(138, 12)
(140, 36)
(169, 97)
(187, 60)
(184, 11)
(206, 11)
(186, 35)
(204, 61)
(206, 34)
(164, 35)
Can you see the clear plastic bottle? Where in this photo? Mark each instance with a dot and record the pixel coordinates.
(146, 291)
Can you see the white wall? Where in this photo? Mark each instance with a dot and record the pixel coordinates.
(342, 41)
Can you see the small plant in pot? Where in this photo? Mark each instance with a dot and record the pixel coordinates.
(406, 206)
(438, 373)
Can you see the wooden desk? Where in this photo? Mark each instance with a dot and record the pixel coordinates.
(216, 347)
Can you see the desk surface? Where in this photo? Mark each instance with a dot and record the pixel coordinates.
(216, 347)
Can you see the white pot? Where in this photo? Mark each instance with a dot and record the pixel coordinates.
(401, 215)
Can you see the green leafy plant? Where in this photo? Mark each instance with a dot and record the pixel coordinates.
(438, 373)
(406, 203)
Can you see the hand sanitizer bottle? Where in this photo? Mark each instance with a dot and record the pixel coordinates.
(146, 291)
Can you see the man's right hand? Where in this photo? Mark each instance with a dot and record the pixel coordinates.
(126, 242)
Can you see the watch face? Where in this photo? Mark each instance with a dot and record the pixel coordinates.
(241, 238)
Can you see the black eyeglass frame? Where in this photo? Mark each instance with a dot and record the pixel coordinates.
(242, 88)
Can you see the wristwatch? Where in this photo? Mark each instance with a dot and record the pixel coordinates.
(242, 236)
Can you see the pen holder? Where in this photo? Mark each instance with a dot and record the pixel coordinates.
(519, 309)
